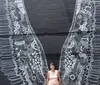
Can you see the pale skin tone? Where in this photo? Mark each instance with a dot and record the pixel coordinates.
(52, 67)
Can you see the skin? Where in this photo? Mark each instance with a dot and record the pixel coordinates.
(52, 67)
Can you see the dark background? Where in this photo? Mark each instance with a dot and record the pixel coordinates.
(51, 21)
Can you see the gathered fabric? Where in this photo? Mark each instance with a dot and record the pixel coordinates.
(53, 78)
